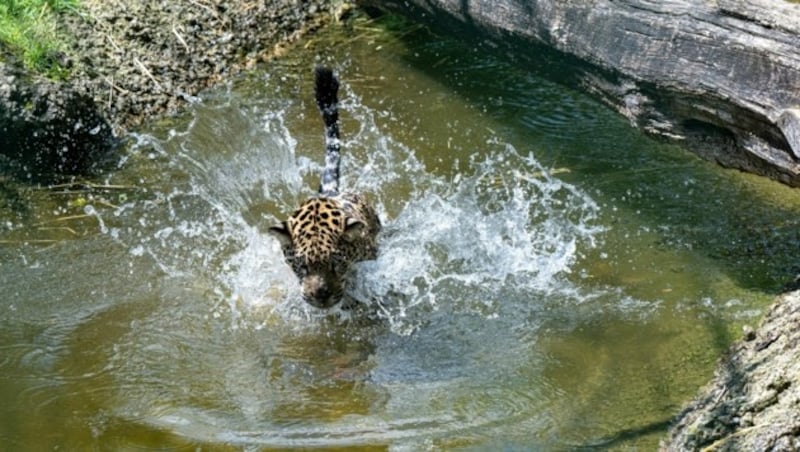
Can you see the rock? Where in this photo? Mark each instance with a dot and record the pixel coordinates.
(753, 402)
(49, 131)
(721, 77)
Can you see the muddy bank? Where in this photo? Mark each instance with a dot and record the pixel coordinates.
(131, 60)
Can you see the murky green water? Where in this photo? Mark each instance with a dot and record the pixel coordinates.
(548, 277)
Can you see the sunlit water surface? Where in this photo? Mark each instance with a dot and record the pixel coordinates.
(548, 278)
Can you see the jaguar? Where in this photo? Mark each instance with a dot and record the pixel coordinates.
(332, 230)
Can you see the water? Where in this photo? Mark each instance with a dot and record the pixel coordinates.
(548, 278)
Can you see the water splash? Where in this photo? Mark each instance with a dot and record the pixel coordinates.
(180, 317)
(503, 231)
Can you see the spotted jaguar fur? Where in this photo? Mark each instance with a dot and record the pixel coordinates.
(330, 231)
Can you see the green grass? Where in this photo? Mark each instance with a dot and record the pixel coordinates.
(28, 31)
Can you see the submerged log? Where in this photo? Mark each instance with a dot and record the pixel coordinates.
(722, 76)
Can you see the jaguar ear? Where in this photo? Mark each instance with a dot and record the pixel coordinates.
(281, 232)
(353, 229)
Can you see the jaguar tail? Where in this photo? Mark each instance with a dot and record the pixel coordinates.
(326, 88)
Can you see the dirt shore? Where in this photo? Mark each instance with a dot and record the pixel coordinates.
(132, 60)
(141, 58)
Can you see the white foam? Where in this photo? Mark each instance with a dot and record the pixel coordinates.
(504, 229)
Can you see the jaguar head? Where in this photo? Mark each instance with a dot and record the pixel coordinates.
(315, 240)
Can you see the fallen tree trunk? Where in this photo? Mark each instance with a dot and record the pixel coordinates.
(722, 76)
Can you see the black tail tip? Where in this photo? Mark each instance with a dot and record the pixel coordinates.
(327, 85)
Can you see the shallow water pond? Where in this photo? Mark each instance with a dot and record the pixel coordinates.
(548, 278)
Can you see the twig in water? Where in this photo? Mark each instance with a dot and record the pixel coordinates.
(58, 228)
(81, 187)
(18, 242)
(67, 218)
(105, 203)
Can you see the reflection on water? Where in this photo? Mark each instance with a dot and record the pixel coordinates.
(547, 277)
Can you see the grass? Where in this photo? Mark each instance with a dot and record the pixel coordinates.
(28, 31)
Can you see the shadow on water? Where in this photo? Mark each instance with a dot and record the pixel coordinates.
(625, 437)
